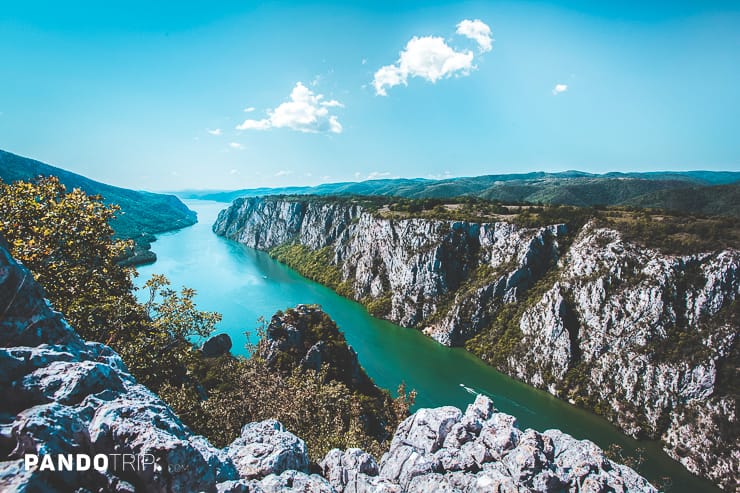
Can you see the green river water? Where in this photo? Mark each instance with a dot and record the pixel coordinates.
(244, 284)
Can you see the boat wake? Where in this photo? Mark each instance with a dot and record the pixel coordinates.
(496, 398)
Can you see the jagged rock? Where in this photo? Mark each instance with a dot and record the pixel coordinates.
(295, 482)
(290, 340)
(217, 345)
(70, 396)
(349, 470)
(423, 457)
(266, 448)
(414, 262)
(427, 429)
(602, 331)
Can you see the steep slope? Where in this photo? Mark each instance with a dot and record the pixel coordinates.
(142, 213)
(63, 395)
(645, 338)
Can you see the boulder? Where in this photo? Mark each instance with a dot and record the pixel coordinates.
(266, 448)
(217, 345)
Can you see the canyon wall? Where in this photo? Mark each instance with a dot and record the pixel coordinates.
(63, 395)
(647, 339)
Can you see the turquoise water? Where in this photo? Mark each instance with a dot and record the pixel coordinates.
(244, 284)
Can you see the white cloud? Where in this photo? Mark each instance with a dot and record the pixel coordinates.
(373, 175)
(284, 172)
(428, 57)
(234, 172)
(236, 145)
(559, 88)
(439, 176)
(478, 31)
(249, 109)
(432, 58)
(255, 125)
(304, 112)
(215, 131)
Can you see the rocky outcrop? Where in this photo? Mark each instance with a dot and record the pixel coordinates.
(444, 449)
(62, 395)
(305, 337)
(647, 339)
(447, 277)
(217, 345)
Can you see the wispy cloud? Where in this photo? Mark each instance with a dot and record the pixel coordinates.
(559, 88)
(236, 145)
(432, 59)
(249, 109)
(478, 31)
(373, 175)
(284, 172)
(305, 112)
(439, 176)
(215, 131)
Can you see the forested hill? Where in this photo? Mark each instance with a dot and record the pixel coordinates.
(142, 213)
(705, 192)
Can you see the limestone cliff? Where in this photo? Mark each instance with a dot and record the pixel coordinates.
(418, 265)
(647, 339)
(63, 395)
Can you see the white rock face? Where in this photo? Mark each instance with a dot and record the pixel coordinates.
(415, 263)
(640, 336)
(266, 448)
(626, 306)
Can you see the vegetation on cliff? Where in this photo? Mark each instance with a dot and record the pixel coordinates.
(676, 232)
(333, 405)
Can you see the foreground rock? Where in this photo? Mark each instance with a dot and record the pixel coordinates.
(62, 395)
(481, 450)
(646, 339)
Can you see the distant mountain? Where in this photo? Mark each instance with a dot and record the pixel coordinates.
(567, 188)
(142, 213)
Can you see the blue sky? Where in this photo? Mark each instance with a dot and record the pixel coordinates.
(154, 97)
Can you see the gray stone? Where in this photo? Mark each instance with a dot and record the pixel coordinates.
(267, 448)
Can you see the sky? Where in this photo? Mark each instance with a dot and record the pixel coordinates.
(236, 94)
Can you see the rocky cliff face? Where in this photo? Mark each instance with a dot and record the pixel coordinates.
(646, 339)
(62, 395)
(418, 266)
(649, 338)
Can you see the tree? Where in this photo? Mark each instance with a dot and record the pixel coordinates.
(65, 239)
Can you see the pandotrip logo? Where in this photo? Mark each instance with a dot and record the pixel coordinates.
(86, 462)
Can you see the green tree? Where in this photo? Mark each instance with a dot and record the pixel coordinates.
(65, 239)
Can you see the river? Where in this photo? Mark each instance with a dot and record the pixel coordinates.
(244, 284)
